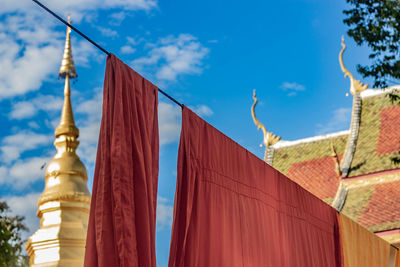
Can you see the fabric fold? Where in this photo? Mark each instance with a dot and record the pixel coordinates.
(362, 248)
(121, 230)
(232, 209)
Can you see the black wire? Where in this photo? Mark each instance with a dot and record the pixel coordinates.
(96, 45)
(170, 98)
(72, 27)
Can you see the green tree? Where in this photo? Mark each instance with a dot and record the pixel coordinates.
(376, 23)
(11, 243)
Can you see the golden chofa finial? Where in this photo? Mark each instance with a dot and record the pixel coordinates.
(67, 63)
(356, 86)
(269, 138)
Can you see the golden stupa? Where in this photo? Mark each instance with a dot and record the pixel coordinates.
(63, 207)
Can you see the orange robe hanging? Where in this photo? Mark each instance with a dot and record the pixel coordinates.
(122, 220)
(232, 209)
(362, 248)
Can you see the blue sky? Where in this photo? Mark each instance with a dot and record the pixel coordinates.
(208, 54)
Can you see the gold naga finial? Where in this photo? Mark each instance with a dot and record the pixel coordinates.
(269, 138)
(356, 86)
(67, 125)
(67, 64)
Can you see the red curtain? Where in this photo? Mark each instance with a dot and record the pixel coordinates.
(232, 209)
(122, 220)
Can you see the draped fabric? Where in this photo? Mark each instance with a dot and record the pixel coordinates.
(232, 209)
(393, 259)
(362, 248)
(121, 229)
(397, 259)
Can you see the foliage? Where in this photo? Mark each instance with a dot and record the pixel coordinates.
(376, 24)
(11, 243)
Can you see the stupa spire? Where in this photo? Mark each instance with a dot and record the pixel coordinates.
(63, 207)
(67, 72)
(67, 63)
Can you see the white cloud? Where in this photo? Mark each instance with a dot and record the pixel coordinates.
(25, 206)
(292, 87)
(14, 145)
(3, 174)
(107, 32)
(89, 126)
(27, 109)
(164, 213)
(202, 110)
(133, 41)
(127, 49)
(169, 122)
(117, 18)
(23, 109)
(26, 39)
(83, 52)
(78, 6)
(24, 42)
(23, 173)
(33, 125)
(340, 120)
(173, 56)
(30, 65)
(28, 35)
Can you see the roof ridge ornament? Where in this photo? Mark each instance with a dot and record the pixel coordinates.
(270, 139)
(356, 86)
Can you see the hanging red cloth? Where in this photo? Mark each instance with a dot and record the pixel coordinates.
(122, 220)
(232, 209)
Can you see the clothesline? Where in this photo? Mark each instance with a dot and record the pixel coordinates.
(96, 45)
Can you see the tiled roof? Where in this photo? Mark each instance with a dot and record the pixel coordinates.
(378, 139)
(356, 201)
(317, 176)
(383, 206)
(389, 134)
(311, 165)
(379, 115)
(374, 205)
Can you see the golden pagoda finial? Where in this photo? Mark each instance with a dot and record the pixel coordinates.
(67, 63)
(356, 86)
(67, 124)
(269, 138)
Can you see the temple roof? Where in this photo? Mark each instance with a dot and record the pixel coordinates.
(373, 180)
